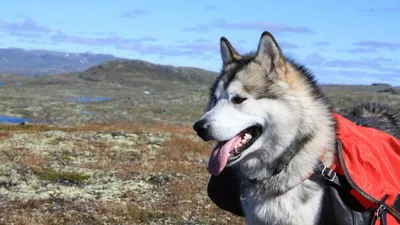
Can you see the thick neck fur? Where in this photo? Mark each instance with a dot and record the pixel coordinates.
(274, 178)
(295, 151)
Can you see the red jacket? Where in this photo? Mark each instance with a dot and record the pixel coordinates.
(370, 159)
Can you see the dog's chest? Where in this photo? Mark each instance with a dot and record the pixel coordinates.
(287, 209)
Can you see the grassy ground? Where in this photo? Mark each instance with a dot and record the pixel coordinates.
(94, 174)
(131, 160)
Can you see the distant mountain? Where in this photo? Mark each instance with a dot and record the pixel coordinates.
(134, 71)
(42, 62)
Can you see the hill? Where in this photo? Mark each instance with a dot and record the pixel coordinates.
(135, 70)
(40, 62)
(139, 91)
(120, 90)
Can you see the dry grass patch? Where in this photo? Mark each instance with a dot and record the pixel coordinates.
(23, 157)
(134, 214)
(178, 154)
(139, 128)
(5, 134)
(188, 196)
(32, 128)
(148, 174)
(32, 159)
(60, 211)
(179, 147)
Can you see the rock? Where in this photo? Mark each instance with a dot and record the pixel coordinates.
(160, 179)
(118, 134)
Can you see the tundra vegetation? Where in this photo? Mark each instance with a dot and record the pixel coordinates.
(114, 145)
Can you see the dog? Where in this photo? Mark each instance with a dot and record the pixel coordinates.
(272, 123)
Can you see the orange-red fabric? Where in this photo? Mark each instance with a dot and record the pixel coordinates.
(372, 158)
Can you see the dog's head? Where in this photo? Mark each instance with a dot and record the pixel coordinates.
(251, 108)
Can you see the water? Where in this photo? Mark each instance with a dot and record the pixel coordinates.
(2, 84)
(89, 99)
(8, 119)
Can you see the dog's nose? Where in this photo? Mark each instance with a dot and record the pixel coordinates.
(201, 127)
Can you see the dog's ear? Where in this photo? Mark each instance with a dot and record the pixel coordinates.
(269, 55)
(228, 53)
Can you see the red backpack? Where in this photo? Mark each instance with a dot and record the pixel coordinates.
(369, 159)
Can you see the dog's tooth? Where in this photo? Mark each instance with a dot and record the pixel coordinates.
(247, 135)
(233, 151)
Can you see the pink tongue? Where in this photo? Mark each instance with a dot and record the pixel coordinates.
(219, 157)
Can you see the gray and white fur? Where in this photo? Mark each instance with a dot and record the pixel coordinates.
(280, 95)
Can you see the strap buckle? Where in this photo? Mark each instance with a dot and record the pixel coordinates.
(328, 173)
(381, 213)
(380, 210)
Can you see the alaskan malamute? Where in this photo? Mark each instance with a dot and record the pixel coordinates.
(272, 123)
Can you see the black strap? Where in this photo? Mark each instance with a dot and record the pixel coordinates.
(328, 174)
(380, 213)
(383, 217)
(396, 204)
(340, 181)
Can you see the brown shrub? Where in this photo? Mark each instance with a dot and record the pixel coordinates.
(32, 159)
(31, 128)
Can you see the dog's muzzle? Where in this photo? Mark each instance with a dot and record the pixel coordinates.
(202, 128)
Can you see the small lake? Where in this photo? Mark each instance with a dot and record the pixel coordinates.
(8, 119)
(89, 99)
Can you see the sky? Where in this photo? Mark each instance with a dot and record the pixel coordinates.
(341, 42)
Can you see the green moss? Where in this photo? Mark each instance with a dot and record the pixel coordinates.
(65, 158)
(145, 216)
(64, 177)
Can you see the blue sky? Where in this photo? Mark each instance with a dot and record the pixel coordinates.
(340, 41)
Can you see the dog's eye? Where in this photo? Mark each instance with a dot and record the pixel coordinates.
(237, 100)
